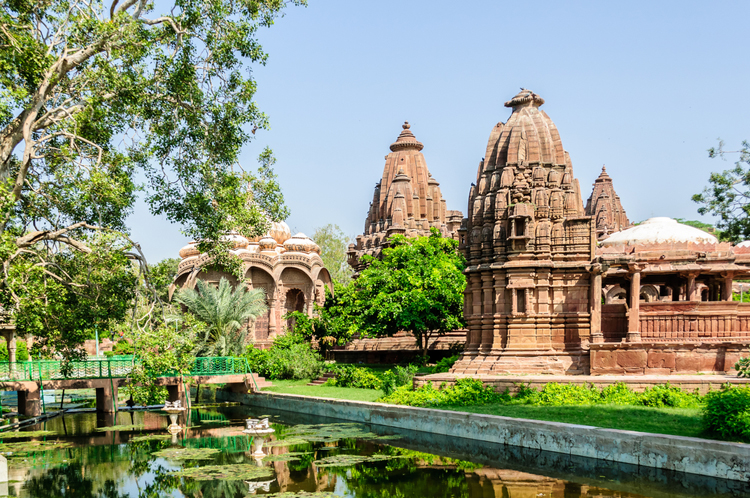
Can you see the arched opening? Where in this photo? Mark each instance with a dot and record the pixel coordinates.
(615, 295)
(295, 301)
(704, 294)
(649, 294)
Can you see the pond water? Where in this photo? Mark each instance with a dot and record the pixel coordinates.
(94, 455)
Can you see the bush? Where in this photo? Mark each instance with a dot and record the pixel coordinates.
(398, 377)
(354, 376)
(665, 395)
(22, 353)
(465, 392)
(445, 364)
(743, 367)
(290, 357)
(123, 347)
(727, 413)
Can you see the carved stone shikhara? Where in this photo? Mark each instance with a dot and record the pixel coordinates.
(406, 201)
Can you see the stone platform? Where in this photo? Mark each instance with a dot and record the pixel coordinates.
(638, 383)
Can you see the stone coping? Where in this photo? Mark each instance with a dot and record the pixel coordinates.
(675, 453)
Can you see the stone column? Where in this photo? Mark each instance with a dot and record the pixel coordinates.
(106, 399)
(726, 289)
(30, 402)
(488, 315)
(595, 304)
(634, 319)
(691, 288)
(272, 315)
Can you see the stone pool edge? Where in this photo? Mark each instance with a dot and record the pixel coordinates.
(682, 454)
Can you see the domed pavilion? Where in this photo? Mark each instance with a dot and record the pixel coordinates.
(288, 268)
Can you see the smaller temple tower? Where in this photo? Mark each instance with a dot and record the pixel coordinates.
(407, 201)
(604, 206)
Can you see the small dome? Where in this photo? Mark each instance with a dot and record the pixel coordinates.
(238, 241)
(267, 243)
(744, 243)
(301, 243)
(280, 231)
(189, 250)
(660, 231)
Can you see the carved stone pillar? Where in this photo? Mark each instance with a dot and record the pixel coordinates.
(692, 289)
(726, 289)
(634, 319)
(595, 304)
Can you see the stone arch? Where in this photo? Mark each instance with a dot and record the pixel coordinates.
(615, 295)
(259, 278)
(298, 278)
(294, 300)
(649, 293)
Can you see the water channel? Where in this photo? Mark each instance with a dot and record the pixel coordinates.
(86, 455)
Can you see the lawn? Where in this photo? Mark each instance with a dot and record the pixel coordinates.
(674, 421)
(300, 387)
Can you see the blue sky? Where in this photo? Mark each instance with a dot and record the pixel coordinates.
(643, 87)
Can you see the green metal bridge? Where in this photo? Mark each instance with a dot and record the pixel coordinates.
(113, 367)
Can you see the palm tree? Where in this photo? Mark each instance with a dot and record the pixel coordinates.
(224, 310)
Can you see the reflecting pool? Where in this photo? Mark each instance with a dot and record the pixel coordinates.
(86, 455)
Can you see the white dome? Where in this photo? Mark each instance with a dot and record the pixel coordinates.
(300, 243)
(660, 230)
(744, 243)
(189, 250)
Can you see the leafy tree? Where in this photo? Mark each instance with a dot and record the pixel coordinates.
(224, 310)
(331, 325)
(706, 227)
(96, 98)
(728, 195)
(162, 275)
(333, 244)
(417, 286)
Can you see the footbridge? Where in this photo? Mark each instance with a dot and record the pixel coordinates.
(106, 376)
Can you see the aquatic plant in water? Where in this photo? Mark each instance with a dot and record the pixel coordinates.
(302, 494)
(121, 428)
(286, 457)
(187, 453)
(329, 433)
(150, 437)
(24, 448)
(347, 460)
(20, 434)
(225, 472)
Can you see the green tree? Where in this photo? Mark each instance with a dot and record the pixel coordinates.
(418, 286)
(728, 195)
(100, 101)
(224, 310)
(162, 275)
(333, 243)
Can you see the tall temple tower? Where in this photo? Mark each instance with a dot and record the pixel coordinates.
(529, 247)
(407, 201)
(605, 207)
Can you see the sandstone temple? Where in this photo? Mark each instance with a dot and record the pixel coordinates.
(553, 287)
(288, 268)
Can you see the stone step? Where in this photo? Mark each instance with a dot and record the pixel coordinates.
(322, 379)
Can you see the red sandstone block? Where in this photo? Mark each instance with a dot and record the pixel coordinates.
(632, 359)
(688, 362)
(659, 360)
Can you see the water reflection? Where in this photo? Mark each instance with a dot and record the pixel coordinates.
(120, 463)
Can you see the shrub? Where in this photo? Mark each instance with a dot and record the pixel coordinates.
(727, 413)
(619, 394)
(290, 357)
(398, 377)
(671, 396)
(22, 353)
(354, 376)
(465, 392)
(445, 364)
(743, 367)
(123, 347)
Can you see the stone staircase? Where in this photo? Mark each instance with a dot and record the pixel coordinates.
(260, 381)
(322, 380)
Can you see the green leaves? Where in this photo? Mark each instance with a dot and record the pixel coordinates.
(728, 195)
(418, 286)
(225, 311)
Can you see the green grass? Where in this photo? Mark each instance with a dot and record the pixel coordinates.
(301, 388)
(674, 421)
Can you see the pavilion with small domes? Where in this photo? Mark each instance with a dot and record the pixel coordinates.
(288, 268)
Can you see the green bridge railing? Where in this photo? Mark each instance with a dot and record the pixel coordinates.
(116, 367)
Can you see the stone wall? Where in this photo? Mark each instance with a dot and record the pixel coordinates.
(665, 358)
(680, 454)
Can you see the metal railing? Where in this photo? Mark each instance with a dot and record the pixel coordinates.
(44, 370)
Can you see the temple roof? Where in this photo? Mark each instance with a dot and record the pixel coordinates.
(406, 140)
(604, 205)
(660, 231)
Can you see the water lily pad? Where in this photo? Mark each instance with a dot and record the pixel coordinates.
(285, 457)
(20, 434)
(347, 460)
(150, 437)
(121, 428)
(302, 494)
(226, 472)
(330, 433)
(187, 453)
(293, 441)
(26, 447)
